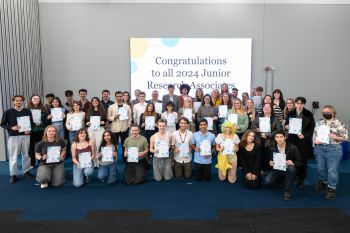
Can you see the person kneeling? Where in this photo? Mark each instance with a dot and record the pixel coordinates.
(284, 157)
(50, 152)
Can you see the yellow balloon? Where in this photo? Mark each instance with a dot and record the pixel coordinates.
(138, 46)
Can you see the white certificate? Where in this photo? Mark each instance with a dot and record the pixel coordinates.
(279, 161)
(158, 107)
(107, 154)
(95, 122)
(123, 113)
(75, 123)
(257, 101)
(36, 116)
(24, 124)
(133, 155)
(222, 111)
(295, 125)
(170, 119)
(163, 149)
(196, 106)
(322, 133)
(53, 154)
(228, 147)
(85, 160)
(56, 114)
(233, 118)
(210, 122)
(184, 150)
(188, 113)
(205, 148)
(265, 124)
(150, 123)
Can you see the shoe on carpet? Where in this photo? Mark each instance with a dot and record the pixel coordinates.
(29, 175)
(330, 195)
(287, 196)
(44, 185)
(320, 186)
(87, 179)
(301, 184)
(13, 179)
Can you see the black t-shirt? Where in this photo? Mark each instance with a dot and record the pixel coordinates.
(42, 146)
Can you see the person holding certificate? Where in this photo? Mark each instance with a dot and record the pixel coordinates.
(82, 157)
(75, 120)
(189, 113)
(203, 144)
(265, 125)
(107, 156)
(242, 121)
(171, 97)
(329, 133)
(225, 105)
(278, 104)
(227, 146)
(250, 157)
(208, 111)
(185, 91)
(136, 150)
(17, 122)
(181, 146)
(160, 146)
(171, 117)
(284, 159)
(251, 112)
(215, 97)
(39, 114)
(303, 140)
(57, 115)
(50, 152)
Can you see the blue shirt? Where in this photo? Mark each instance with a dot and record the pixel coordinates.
(197, 138)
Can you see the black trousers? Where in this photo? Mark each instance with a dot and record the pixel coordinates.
(35, 137)
(202, 171)
(123, 136)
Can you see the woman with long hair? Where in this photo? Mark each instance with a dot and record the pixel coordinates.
(57, 116)
(75, 120)
(188, 112)
(251, 112)
(209, 112)
(225, 105)
(278, 103)
(240, 118)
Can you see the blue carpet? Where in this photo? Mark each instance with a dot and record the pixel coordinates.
(176, 199)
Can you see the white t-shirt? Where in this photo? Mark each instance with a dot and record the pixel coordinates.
(179, 138)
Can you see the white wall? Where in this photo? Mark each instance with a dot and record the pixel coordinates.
(87, 45)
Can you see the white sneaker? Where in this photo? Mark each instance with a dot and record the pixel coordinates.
(44, 185)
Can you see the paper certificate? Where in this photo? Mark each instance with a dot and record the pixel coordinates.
(257, 101)
(322, 134)
(228, 147)
(170, 120)
(53, 154)
(184, 150)
(107, 154)
(233, 118)
(279, 161)
(158, 107)
(76, 123)
(222, 111)
(295, 125)
(205, 148)
(188, 114)
(36, 116)
(163, 149)
(196, 106)
(150, 123)
(265, 124)
(56, 114)
(133, 155)
(123, 113)
(95, 122)
(85, 160)
(24, 124)
(210, 122)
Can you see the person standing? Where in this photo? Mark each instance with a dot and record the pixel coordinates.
(19, 136)
(171, 97)
(83, 102)
(106, 101)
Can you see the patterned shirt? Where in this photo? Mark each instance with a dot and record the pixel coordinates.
(336, 127)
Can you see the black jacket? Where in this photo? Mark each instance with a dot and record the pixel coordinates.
(291, 151)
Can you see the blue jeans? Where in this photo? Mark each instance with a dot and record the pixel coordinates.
(79, 173)
(59, 127)
(72, 135)
(328, 157)
(107, 173)
(289, 176)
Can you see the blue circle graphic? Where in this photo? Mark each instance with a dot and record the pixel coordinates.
(170, 42)
(133, 67)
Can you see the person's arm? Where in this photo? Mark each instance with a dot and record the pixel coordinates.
(92, 146)
(68, 126)
(129, 116)
(74, 154)
(152, 149)
(244, 123)
(63, 153)
(145, 151)
(110, 113)
(243, 160)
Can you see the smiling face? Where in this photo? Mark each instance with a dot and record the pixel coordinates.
(51, 133)
(18, 102)
(94, 102)
(107, 137)
(55, 103)
(76, 107)
(35, 100)
(82, 135)
(134, 132)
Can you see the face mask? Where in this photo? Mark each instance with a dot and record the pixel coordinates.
(327, 116)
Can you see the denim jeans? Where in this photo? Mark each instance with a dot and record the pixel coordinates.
(108, 173)
(59, 127)
(328, 157)
(72, 135)
(79, 173)
(289, 175)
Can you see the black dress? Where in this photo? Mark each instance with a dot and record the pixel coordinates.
(251, 163)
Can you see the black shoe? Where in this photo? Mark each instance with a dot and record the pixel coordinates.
(287, 196)
(301, 184)
(330, 194)
(29, 175)
(320, 186)
(13, 179)
(87, 179)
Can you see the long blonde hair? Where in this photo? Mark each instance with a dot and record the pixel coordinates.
(241, 110)
(57, 138)
(253, 109)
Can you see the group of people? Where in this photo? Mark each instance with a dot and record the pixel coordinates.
(270, 138)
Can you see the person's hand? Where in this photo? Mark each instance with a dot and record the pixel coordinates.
(49, 117)
(88, 123)
(332, 136)
(114, 154)
(301, 136)
(198, 149)
(27, 132)
(207, 156)
(16, 127)
(258, 130)
(317, 142)
(263, 135)
(289, 163)
(63, 115)
(271, 163)
(102, 122)
(238, 127)
(176, 150)
(116, 116)
(253, 177)
(99, 155)
(286, 127)
(44, 157)
(143, 125)
(215, 118)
